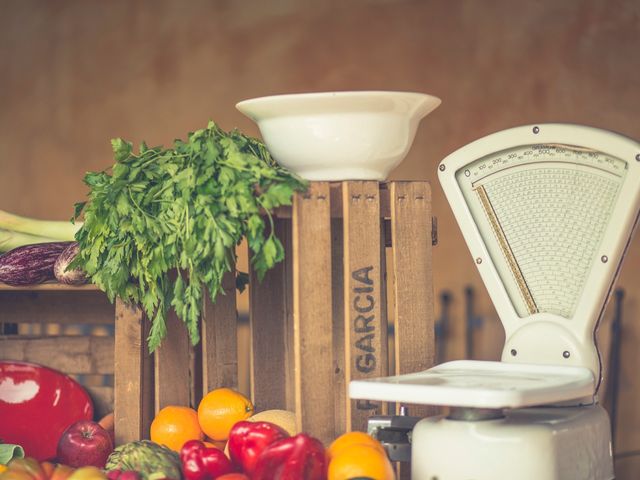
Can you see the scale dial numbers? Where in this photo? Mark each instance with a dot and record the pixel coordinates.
(533, 154)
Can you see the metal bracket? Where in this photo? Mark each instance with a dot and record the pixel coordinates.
(394, 432)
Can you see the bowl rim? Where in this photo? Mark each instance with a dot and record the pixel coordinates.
(245, 106)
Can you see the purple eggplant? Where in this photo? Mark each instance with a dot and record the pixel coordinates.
(30, 264)
(70, 277)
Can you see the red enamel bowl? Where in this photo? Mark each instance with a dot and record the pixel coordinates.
(37, 404)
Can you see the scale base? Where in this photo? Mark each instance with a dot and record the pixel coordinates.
(547, 443)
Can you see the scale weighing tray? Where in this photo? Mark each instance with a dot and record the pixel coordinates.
(494, 385)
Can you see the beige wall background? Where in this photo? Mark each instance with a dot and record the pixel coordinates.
(74, 74)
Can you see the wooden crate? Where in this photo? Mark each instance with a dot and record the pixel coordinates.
(353, 299)
(358, 258)
(68, 328)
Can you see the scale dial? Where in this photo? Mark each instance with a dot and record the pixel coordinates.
(542, 211)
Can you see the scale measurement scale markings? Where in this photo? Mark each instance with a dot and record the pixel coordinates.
(542, 211)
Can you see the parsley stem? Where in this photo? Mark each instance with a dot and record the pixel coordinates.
(136, 203)
(271, 233)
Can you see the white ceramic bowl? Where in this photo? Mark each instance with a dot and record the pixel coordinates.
(339, 135)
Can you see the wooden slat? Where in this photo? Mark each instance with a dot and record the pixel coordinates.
(132, 378)
(171, 366)
(286, 229)
(627, 467)
(312, 308)
(384, 304)
(73, 355)
(627, 428)
(366, 326)
(270, 312)
(414, 336)
(219, 344)
(339, 384)
(64, 306)
(49, 286)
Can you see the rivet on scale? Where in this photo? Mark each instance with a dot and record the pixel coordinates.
(442, 167)
(536, 129)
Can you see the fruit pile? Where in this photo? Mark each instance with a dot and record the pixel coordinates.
(31, 469)
(222, 440)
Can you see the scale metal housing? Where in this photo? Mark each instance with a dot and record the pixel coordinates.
(547, 212)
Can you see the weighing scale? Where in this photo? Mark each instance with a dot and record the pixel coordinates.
(547, 212)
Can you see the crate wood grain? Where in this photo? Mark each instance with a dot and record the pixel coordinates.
(47, 302)
(339, 384)
(133, 379)
(270, 320)
(414, 333)
(312, 308)
(51, 286)
(73, 355)
(366, 322)
(219, 346)
(172, 366)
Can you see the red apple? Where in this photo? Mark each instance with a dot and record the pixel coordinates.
(84, 443)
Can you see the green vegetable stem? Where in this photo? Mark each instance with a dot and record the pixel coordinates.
(182, 209)
(16, 231)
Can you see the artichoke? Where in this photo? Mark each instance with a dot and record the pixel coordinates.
(151, 460)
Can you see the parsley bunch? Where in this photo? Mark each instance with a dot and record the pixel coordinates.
(184, 210)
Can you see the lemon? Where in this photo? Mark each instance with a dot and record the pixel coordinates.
(87, 473)
(220, 409)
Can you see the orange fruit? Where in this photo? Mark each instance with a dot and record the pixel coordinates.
(47, 468)
(220, 409)
(174, 425)
(219, 445)
(360, 460)
(352, 438)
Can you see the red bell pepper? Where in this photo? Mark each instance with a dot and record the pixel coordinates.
(296, 458)
(247, 440)
(200, 462)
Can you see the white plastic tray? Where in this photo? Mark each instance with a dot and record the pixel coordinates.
(481, 384)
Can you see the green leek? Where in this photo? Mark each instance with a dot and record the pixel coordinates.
(10, 240)
(50, 229)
